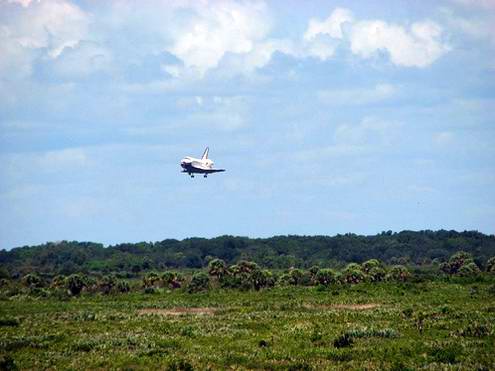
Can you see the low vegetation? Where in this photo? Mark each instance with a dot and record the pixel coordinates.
(370, 315)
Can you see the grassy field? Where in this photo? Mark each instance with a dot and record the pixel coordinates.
(433, 325)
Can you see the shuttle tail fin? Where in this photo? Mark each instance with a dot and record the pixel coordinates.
(205, 154)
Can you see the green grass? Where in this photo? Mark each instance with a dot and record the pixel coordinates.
(435, 325)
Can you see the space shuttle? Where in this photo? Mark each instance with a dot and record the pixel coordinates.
(203, 165)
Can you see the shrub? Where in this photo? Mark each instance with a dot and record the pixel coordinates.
(123, 286)
(247, 266)
(199, 282)
(32, 280)
(180, 365)
(490, 265)
(262, 279)
(284, 279)
(296, 276)
(398, 273)
(58, 282)
(151, 280)
(325, 277)
(217, 268)
(368, 265)
(7, 363)
(476, 330)
(343, 341)
(376, 274)
(172, 280)
(9, 322)
(446, 354)
(106, 284)
(75, 284)
(314, 270)
(456, 262)
(352, 274)
(468, 270)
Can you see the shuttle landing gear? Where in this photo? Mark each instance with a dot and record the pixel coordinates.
(205, 175)
(192, 175)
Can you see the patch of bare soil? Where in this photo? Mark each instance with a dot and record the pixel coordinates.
(347, 306)
(178, 311)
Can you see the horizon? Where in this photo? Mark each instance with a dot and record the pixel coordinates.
(330, 117)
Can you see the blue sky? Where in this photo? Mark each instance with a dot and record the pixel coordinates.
(329, 116)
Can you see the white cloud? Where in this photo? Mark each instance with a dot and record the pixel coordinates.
(417, 46)
(38, 29)
(216, 29)
(332, 26)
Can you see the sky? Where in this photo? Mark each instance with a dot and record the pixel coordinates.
(329, 116)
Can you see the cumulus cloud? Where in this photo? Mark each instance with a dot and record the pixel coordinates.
(418, 45)
(34, 30)
(332, 26)
(219, 28)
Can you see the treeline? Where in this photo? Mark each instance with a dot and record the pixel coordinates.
(245, 275)
(280, 252)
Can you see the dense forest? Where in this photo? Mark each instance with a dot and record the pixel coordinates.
(280, 252)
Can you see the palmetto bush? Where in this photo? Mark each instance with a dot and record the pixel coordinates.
(199, 282)
(32, 280)
(106, 284)
(376, 274)
(325, 277)
(217, 268)
(398, 273)
(172, 280)
(151, 280)
(368, 265)
(75, 283)
(58, 282)
(352, 274)
(468, 270)
(456, 262)
(490, 265)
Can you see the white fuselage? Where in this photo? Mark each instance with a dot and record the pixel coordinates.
(192, 164)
